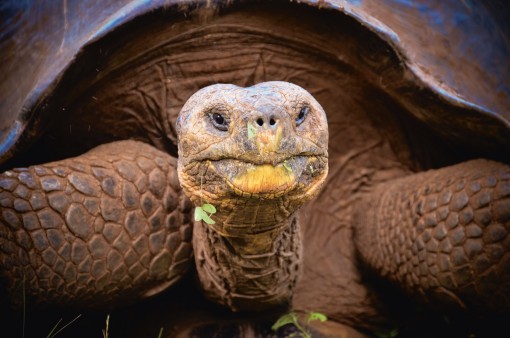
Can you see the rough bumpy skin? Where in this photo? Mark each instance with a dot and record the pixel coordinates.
(108, 227)
(443, 235)
(247, 279)
(267, 158)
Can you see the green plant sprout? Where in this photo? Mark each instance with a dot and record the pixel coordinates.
(316, 316)
(53, 333)
(292, 318)
(204, 212)
(311, 169)
(287, 166)
(105, 331)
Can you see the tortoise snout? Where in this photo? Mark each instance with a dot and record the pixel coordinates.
(267, 117)
(266, 122)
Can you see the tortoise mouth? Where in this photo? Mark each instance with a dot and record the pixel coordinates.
(270, 180)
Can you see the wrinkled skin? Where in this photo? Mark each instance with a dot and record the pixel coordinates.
(266, 158)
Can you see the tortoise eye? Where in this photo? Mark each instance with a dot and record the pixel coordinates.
(302, 115)
(219, 122)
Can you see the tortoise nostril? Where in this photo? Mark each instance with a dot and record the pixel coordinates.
(272, 122)
(260, 122)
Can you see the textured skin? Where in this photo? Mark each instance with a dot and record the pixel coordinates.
(443, 235)
(266, 277)
(108, 227)
(257, 173)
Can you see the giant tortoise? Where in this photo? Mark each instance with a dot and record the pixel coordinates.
(392, 114)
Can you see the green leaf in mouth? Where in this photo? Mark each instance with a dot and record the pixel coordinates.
(287, 166)
(204, 212)
(209, 208)
(252, 131)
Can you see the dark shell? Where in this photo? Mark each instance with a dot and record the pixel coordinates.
(455, 56)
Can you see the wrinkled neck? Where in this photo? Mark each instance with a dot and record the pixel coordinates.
(251, 272)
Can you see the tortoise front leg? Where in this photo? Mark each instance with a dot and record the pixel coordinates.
(108, 227)
(443, 234)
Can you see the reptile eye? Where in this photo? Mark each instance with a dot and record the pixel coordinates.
(219, 122)
(302, 115)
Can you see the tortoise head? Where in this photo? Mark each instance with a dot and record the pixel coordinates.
(242, 147)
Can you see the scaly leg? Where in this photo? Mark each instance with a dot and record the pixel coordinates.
(107, 227)
(443, 234)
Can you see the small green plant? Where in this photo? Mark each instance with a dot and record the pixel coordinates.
(160, 333)
(292, 318)
(53, 333)
(311, 169)
(105, 331)
(204, 212)
(316, 316)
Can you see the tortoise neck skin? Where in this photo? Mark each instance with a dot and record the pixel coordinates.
(255, 279)
(257, 154)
